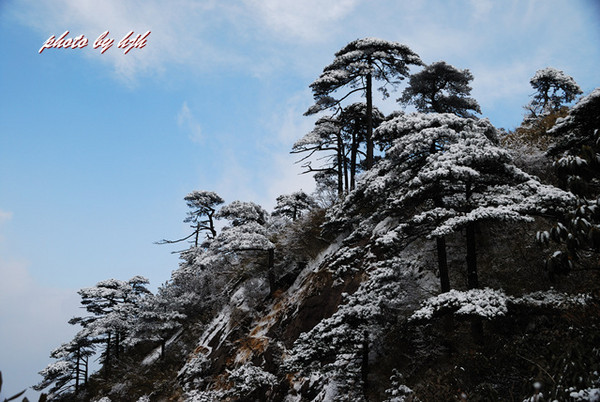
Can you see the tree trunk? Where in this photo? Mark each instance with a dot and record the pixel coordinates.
(197, 234)
(339, 165)
(354, 153)
(443, 264)
(369, 138)
(211, 224)
(472, 279)
(77, 369)
(345, 169)
(107, 356)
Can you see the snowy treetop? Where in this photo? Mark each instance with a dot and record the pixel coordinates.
(321, 135)
(558, 77)
(383, 59)
(241, 212)
(203, 199)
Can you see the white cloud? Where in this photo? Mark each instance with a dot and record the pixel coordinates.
(307, 20)
(180, 32)
(201, 36)
(187, 121)
(481, 8)
(5, 216)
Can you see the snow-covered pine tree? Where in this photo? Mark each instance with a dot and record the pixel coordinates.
(554, 89)
(355, 66)
(354, 122)
(443, 174)
(240, 213)
(69, 373)
(203, 207)
(113, 304)
(473, 180)
(246, 240)
(577, 159)
(441, 88)
(293, 205)
(326, 136)
(158, 318)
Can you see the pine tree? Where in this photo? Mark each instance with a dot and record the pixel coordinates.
(70, 372)
(293, 205)
(355, 66)
(158, 317)
(203, 205)
(441, 88)
(444, 174)
(577, 159)
(113, 304)
(354, 121)
(553, 89)
(325, 137)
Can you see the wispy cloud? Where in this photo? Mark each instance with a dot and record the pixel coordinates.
(187, 121)
(201, 36)
(252, 35)
(307, 20)
(180, 33)
(5, 216)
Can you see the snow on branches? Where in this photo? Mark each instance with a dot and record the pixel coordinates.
(490, 303)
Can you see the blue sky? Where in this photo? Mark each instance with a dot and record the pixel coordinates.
(97, 150)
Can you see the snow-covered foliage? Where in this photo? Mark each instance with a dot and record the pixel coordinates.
(441, 88)
(241, 212)
(158, 317)
(242, 382)
(248, 378)
(490, 303)
(318, 305)
(577, 159)
(457, 163)
(384, 60)
(588, 394)
(293, 205)
(330, 357)
(486, 303)
(554, 88)
(238, 238)
(209, 273)
(202, 204)
(398, 391)
(60, 373)
(355, 66)
(321, 137)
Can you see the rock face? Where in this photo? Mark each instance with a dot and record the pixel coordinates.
(342, 331)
